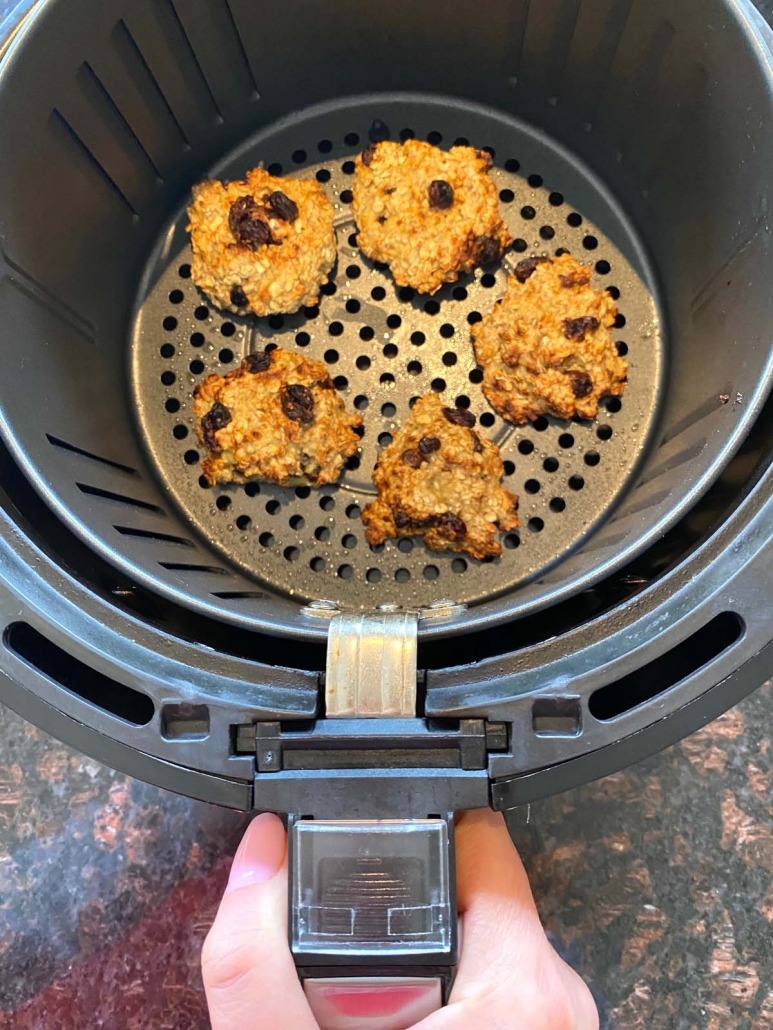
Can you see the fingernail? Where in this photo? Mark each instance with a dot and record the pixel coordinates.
(261, 853)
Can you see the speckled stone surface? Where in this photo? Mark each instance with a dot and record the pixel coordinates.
(655, 883)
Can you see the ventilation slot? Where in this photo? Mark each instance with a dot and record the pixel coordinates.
(238, 595)
(108, 495)
(149, 534)
(658, 676)
(176, 566)
(75, 676)
(184, 721)
(56, 442)
(557, 716)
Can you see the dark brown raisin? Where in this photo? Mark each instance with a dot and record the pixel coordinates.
(216, 418)
(246, 220)
(428, 445)
(239, 297)
(576, 328)
(378, 131)
(486, 157)
(257, 362)
(298, 403)
(402, 521)
(489, 250)
(459, 417)
(581, 278)
(524, 269)
(452, 526)
(581, 382)
(413, 459)
(282, 207)
(368, 154)
(477, 445)
(441, 194)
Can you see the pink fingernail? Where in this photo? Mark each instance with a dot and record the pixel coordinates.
(261, 853)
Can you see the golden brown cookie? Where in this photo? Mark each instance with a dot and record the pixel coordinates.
(276, 418)
(546, 348)
(264, 245)
(439, 479)
(429, 214)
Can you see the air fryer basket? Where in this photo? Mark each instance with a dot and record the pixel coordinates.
(634, 133)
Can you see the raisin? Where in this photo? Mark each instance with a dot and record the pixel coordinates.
(452, 526)
(282, 207)
(378, 131)
(580, 382)
(524, 269)
(489, 250)
(576, 328)
(246, 222)
(485, 156)
(239, 297)
(367, 155)
(441, 194)
(459, 417)
(298, 403)
(581, 278)
(402, 521)
(428, 445)
(477, 445)
(257, 362)
(413, 459)
(216, 418)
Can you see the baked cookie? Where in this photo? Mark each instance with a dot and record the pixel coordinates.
(276, 418)
(439, 479)
(264, 245)
(429, 214)
(546, 348)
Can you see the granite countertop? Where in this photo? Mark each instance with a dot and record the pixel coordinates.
(655, 883)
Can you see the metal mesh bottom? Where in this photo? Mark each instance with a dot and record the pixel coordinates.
(384, 347)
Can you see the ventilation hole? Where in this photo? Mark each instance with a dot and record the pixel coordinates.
(166, 350)
(384, 439)
(511, 165)
(378, 293)
(390, 350)
(622, 348)
(184, 271)
(180, 432)
(363, 363)
(351, 139)
(387, 379)
(677, 664)
(273, 506)
(302, 339)
(528, 213)
(176, 297)
(604, 432)
(431, 572)
(196, 367)
(169, 323)
(197, 339)
(291, 553)
(201, 313)
(536, 525)
(550, 464)
(490, 150)
(361, 402)
(474, 316)
(331, 356)
(353, 463)
(487, 419)
(322, 533)
(506, 196)
(560, 251)
(323, 175)
(406, 294)
(488, 280)
(299, 156)
(352, 306)
(172, 405)
(461, 141)
(476, 375)
(312, 312)
(590, 243)
(592, 458)
(525, 446)
(366, 333)
(405, 545)
(227, 329)
(402, 575)
(438, 385)
(414, 368)
(349, 541)
(328, 288)
(540, 424)
(226, 355)
(434, 138)
(243, 522)
(613, 292)
(547, 232)
(557, 504)
(418, 338)
(458, 565)
(373, 575)
(535, 181)
(462, 401)
(317, 564)
(302, 492)
(576, 482)
(531, 486)
(556, 199)
(345, 571)
(276, 321)
(266, 539)
(574, 219)
(413, 401)
(520, 245)
(512, 540)
(459, 293)
(406, 134)
(204, 483)
(167, 378)
(359, 431)
(223, 502)
(297, 522)
(252, 489)
(620, 321)
(508, 467)
(274, 168)
(353, 511)
(346, 197)
(613, 404)
(603, 267)
(327, 503)
(566, 440)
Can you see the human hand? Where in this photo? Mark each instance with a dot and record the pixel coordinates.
(508, 976)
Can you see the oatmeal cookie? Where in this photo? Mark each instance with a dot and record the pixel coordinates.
(429, 214)
(264, 245)
(276, 418)
(546, 348)
(439, 479)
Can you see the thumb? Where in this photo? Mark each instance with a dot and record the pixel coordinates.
(248, 971)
